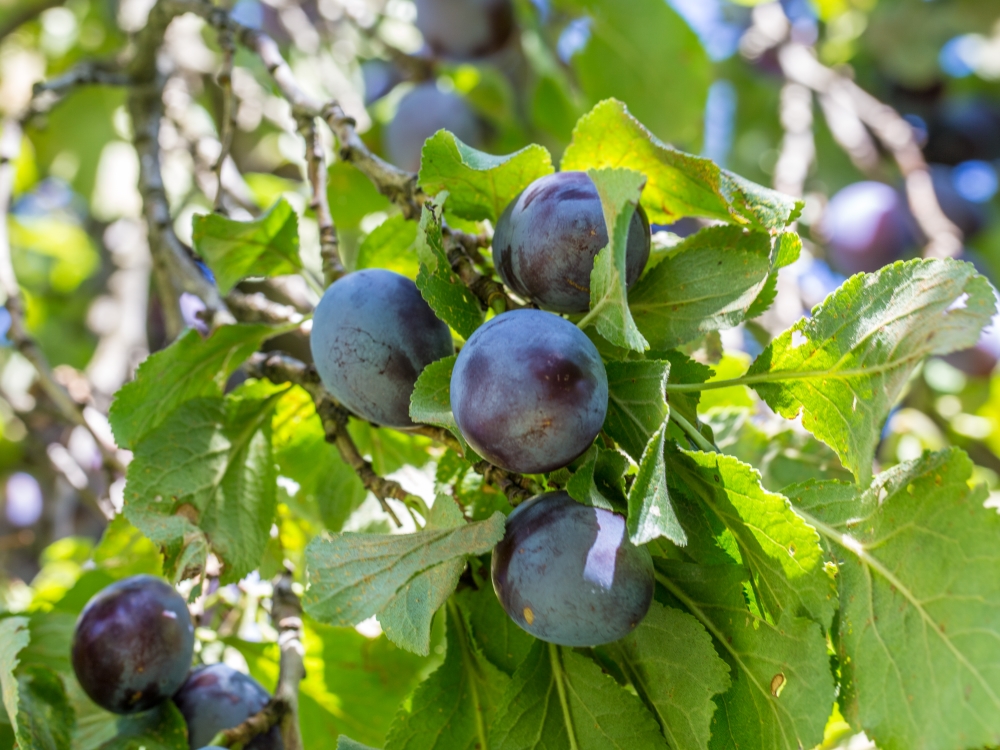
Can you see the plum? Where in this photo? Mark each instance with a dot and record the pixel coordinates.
(372, 335)
(568, 574)
(547, 238)
(218, 697)
(133, 644)
(529, 391)
(963, 129)
(423, 111)
(867, 225)
(967, 215)
(465, 29)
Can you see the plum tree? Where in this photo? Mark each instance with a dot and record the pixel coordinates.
(547, 238)
(218, 697)
(465, 29)
(568, 574)
(423, 111)
(867, 225)
(529, 391)
(133, 644)
(372, 334)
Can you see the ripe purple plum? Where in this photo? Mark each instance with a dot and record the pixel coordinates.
(423, 111)
(465, 29)
(547, 238)
(867, 225)
(133, 644)
(529, 391)
(218, 697)
(372, 336)
(568, 574)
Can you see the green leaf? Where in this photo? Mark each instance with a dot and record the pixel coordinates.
(346, 743)
(636, 403)
(45, 718)
(650, 513)
(352, 195)
(619, 190)
(454, 708)
(781, 551)
(479, 185)
(406, 619)
(678, 184)
(782, 690)
(14, 636)
(452, 301)
(560, 699)
(671, 662)
(353, 576)
(190, 367)
(919, 567)
(266, 246)
(641, 47)
(161, 728)
(708, 284)
(502, 642)
(208, 471)
(430, 402)
(844, 367)
(599, 482)
(391, 245)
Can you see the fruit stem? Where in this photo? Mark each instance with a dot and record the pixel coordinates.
(692, 432)
(558, 675)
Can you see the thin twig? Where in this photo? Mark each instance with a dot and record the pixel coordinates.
(283, 708)
(10, 146)
(226, 128)
(329, 245)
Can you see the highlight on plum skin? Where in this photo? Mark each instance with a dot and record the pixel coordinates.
(133, 644)
(568, 574)
(529, 391)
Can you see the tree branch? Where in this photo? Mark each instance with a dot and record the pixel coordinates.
(329, 245)
(228, 113)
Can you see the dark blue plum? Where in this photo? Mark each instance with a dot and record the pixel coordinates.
(867, 225)
(465, 29)
(963, 129)
(371, 337)
(218, 697)
(547, 238)
(422, 112)
(968, 216)
(529, 391)
(568, 574)
(133, 644)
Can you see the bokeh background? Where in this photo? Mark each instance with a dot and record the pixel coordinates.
(707, 76)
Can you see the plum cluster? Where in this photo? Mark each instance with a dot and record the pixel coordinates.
(132, 649)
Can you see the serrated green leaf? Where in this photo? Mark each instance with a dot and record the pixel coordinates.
(346, 743)
(619, 190)
(45, 718)
(708, 284)
(502, 642)
(636, 402)
(161, 728)
(650, 513)
(190, 367)
(430, 402)
(599, 480)
(844, 367)
(788, 248)
(450, 299)
(455, 707)
(919, 571)
(353, 576)
(679, 184)
(560, 699)
(265, 246)
(479, 185)
(777, 546)
(14, 636)
(392, 245)
(671, 662)
(782, 689)
(640, 47)
(351, 194)
(208, 471)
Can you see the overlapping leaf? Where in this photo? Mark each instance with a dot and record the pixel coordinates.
(430, 402)
(650, 512)
(679, 184)
(266, 246)
(479, 185)
(636, 402)
(707, 285)
(161, 728)
(844, 367)
(392, 245)
(919, 570)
